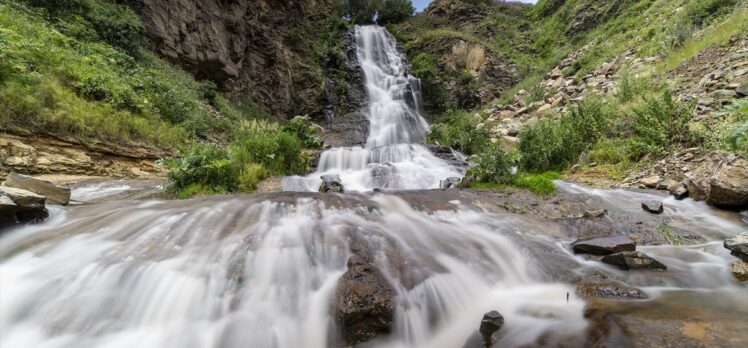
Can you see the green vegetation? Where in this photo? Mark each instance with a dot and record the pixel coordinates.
(462, 131)
(383, 11)
(672, 237)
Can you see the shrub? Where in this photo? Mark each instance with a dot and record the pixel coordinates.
(205, 165)
(661, 124)
(278, 151)
(250, 176)
(539, 183)
(491, 166)
(462, 131)
(556, 144)
(302, 128)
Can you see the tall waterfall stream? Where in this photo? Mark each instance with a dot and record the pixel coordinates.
(262, 270)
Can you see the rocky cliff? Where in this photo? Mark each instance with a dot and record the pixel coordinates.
(264, 50)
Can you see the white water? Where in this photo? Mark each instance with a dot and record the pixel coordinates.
(392, 157)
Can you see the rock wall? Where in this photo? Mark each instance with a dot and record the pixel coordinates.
(261, 49)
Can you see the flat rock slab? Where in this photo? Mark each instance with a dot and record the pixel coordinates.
(740, 270)
(55, 194)
(23, 198)
(633, 260)
(610, 289)
(654, 207)
(738, 246)
(603, 245)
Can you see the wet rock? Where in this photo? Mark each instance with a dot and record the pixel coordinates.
(491, 323)
(633, 260)
(740, 270)
(331, 183)
(610, 289)
(450, 182)
(594, 213)
(55, 194)
(603, 245)
(364, 303)
(678, 191)
(729, 186)
(654, 207)
(738, 246)
(21, 206)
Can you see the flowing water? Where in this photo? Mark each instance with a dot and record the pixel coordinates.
(262, 270)
(392, 157)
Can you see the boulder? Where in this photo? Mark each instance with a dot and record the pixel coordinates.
(697, 190)
(55, 194)
(331, 183)
(603, 245)
(489, 325)
(654, 207)
(738, 246)
(678, 190)
(21, 206)
(610, 289)
(650, 181)
(740, 270)
(729, 186)
(450, 182)
(594, 213)
(364, 304)
(633, 260)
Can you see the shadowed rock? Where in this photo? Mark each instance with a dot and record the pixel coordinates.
(21, 206)
(55, 194)
(729, 186)
(364, 300)
(654, 207)
(738, 246)
(331, 183)
(633, 261)
(603, 245)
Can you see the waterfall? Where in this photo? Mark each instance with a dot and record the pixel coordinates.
(392, 156)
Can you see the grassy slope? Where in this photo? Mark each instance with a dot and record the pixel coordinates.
(57, 82)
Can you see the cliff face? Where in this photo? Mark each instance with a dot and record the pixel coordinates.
(264, 50)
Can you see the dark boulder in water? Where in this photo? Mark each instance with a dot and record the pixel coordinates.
(738, 246)
(21, 206)
(331, 183)
(450, 182)
(491, 323)
(633, 261)
(603, 245)
(364, 300)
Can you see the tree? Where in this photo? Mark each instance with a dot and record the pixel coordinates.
(395, 11)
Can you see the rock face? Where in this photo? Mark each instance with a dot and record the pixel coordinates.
(55, 194)
(633, 260)
(263, 49)
(729, 186)
(738, 246)
(20, 206)
(331, 183)
(654, 207)
(740, 270)
(364, 300)
(603, 245)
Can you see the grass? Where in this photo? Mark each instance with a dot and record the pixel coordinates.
(541, 184)
(672, 237)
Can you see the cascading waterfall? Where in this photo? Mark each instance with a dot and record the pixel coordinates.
(392, 157)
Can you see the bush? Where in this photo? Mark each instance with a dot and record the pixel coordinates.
(491, 166)
(556, 144)
(208, 166)
(395, 11)
(302, 128)
(539, 183)
(462, 131)
(662, 124)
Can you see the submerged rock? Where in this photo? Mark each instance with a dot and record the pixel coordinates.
(331, 183)
(364, 300)
(729, 186)
(21, 206)
(594, 213)
(603, 245)
(740, 270)
(738, 246)
(610, 289)
(450, 182)
(654, 207)
(633, 260)
(55, 194)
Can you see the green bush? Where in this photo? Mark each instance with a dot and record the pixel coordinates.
(539, 183)
(491, 166)
(662, 124)
(462, 131)
(557, 144)
(278, 151)
(738, 138)
(308, 133)
(208, 166)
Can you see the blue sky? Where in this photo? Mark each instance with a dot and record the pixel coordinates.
(421, 4)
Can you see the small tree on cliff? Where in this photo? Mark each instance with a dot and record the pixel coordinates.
(395, 11)
(381, 11)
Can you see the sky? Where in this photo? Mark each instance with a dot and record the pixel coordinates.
(421, 4)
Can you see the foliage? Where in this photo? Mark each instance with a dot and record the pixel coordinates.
(541, 183)
(491, 166)
(258, 152)
(308, 133)
(738, 138)
(460, 130)
(556, 144)
(383, 11)
(661, 124)
(395, 11)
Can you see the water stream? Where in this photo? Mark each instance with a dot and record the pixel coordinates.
(392, 157)
(262, 270)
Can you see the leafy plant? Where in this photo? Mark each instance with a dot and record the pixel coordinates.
(662, 123)
(491, 166)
